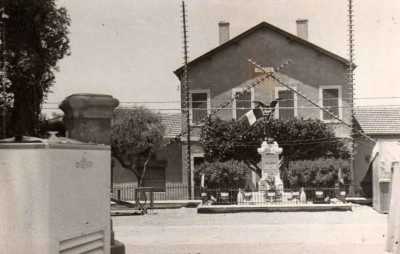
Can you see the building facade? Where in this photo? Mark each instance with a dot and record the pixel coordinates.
(216, 77)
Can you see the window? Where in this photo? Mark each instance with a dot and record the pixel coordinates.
(331, 100)
(287, 105)
(242, 102)
(199, 105)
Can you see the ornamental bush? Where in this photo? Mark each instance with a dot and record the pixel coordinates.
(223, 175)
(316, 173)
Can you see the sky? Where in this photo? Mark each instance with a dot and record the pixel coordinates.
(130, 48)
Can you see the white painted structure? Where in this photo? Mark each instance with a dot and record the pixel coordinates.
(54, 197)
(393, 227)
(384, 154)
(270, 166)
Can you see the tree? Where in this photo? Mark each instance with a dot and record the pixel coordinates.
(135, 136)
(36, 36)
(300, 139)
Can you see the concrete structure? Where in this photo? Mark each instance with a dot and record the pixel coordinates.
(274, 208)
(55, 199)
(302, 28)
(270, 167)
(384, 157)
(216, 77)
(87, 117)
(223, 32)
(393, 222)
(383, 125)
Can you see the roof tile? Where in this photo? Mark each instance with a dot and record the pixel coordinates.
(379, 121)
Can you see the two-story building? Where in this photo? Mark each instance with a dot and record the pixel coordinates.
(216, 76)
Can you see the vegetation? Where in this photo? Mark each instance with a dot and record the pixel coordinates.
(135, 136)
(36, 38)
(300, 139)
(317, 173)
(225, 175)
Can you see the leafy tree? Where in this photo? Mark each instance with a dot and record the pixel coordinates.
(300, 139)
(229, 174)
(36, 36)
(135, 136)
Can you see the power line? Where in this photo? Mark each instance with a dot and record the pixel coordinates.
(380, 106)
(226, 100)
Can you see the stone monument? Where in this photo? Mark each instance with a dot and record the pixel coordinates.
(270, 176)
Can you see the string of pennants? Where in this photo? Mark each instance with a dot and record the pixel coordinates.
(222, 106)
(262, 110)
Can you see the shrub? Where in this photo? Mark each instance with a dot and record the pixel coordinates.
(223, 175)
(316, 173)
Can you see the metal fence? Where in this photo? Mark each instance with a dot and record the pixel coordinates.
(127, 192)
(288, 196)
(234, 196)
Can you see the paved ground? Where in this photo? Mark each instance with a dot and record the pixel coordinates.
(184, 231)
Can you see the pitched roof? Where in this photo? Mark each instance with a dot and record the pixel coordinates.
(172, 123)
(265, 25)
(379, 121)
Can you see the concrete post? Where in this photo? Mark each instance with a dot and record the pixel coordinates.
(88, 117)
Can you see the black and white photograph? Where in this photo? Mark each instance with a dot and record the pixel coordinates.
(199, 127)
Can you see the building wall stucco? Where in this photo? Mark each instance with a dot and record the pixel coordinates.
(309, 70)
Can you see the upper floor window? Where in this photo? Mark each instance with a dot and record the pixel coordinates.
(242, 101)
(331, 99)
(287, 104)
(199, 106)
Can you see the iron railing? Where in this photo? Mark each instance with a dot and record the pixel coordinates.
(233, 196)
(288, 196)
(127, 192)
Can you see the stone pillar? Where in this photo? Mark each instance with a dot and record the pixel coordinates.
(88, 117)
(269, 152)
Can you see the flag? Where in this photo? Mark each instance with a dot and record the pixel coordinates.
(253, 115)
(260, 110)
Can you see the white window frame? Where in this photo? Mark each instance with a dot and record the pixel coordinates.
(240, 89)
(340, 109)
(281, 88)
(191, 92)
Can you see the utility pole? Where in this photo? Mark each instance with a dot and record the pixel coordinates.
(351, 83)
(185, 85)
(3, 19)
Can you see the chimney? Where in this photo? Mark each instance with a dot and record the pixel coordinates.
(223, 32)
(302, 28)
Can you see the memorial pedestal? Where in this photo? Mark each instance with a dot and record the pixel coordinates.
(270, 176)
